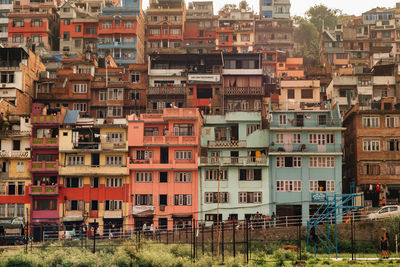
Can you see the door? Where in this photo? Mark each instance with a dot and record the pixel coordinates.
(234, 133)
(37, 234)
(95, 159)
(234, 157)
(164, 155)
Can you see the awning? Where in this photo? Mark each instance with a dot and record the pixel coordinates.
(182, 215)
(146, 213)
(73, 218)
(138, 210)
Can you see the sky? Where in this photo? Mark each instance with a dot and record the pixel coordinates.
(351, 7)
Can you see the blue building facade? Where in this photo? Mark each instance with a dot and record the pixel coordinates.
(305, 158)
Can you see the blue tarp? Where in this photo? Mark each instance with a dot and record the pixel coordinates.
(71, 117)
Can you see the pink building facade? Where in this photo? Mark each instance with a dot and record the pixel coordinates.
(163, 151)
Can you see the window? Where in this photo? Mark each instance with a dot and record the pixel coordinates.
(113, 205)
(18, 38)
(143, 200)
(252, 128)
(288, 162)
(183, 129)
(307, 93)
(3, 188)
(91, 30)
(393, 145)
(128, 25)
(11, 189)
(94, 182)
(20, 166)
(67, 21)
(322, 119)
(322, 186)
(290, 93)
(321, 139)
(66, 9)
(74, 204)
(370, 169)
(392, 121)
(94, 205)
(163, 200)
(371, 145)
(155, 31)
(183, 200)
(80, 88)
(78, 28)
(7, 77)
(245, 37)
(73, 182)
(175, 31)
(115, 137)
(370, 122)
(212, 175)
(36, 38)
(290, 138)
(144, 154)
(78, 44)
(66, 36)
(150, 131)
(212, 197)
(135, 77)
(288, 186)
(76, 160)
(18, 23)
(36, 23)
(114, 160)
(3, 208)
(102, 95)
(45, 204)
(114, 182)
(183, 177)
(163, 177)
(393, 168)
(82, 107)
(144, 177)
(115, 94)
(322, 162)
(250, 175)
(14, 210)
(282, 119)
(250, 197)
(107, 25)
(114, 111)
(16, 145)
(183, 155)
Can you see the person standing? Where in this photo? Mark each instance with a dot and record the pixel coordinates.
(384, 244)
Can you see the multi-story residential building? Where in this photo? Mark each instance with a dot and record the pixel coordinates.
(372, 162)
(34, 23)
(18, 71)
(234, 176)
(78, 27)
(299, 93)
(14, 161)
(277, 65)
(243, 82)
(44, 187)
(94, 174)
(121, 32)
(72, 87)
(275, 9)
(200, 27)
(5, 8)
(118, 92)
(163, 151)
(165, 26)
(274, 34)
(305, 158)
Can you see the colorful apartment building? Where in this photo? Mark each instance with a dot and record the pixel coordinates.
(19, 69)
(121, 32)
(305, 158)
(78, 27)
(275, 9)
(94, 181)
(36, 23)
(15, 177)
(299, 93)
(200, 27)
(5, 8)
(276, 64)
(44, 189)
(163, 151)
(165, 26)
(233, 176)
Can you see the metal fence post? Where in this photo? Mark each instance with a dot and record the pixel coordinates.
(202, 238)
(234, 238)
(247, 240)
(94, 236)
(222, 242)
(194, 240)
(212, 239)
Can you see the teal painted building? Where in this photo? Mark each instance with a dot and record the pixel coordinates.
(233, 154)
(305, 158)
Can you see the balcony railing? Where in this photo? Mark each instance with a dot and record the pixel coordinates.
(43, 166)
(227, 144)
(46, 119)
(175, 140)
(15, 154)
(45, 141)
(14, 133)
(93, 170)
(112, 146)
(43, 190)
(166, 90)
(234, 161)
(244, 91)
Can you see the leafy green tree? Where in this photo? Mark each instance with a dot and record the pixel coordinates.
(228, 8)
(321, 13)
(243, 5)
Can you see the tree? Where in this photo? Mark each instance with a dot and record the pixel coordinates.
(243, 5)
(228, 8)
(321, 13)
(306, 37)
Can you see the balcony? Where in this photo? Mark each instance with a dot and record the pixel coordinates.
(93, 170)
(3, 34)
(170, 140)
(234, 161)
(166, 90)
(45, 119)
(242, 72)
(122, 146)
(14, 133)
(227, 144)
(244, 91)
(43, 190)
(43, 166)
(45, 141)
(156, 164)
(187, 113)
(15, 154)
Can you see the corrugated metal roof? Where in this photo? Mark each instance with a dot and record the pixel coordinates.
(71, 117)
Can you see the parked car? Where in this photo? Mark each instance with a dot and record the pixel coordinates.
(386, 211)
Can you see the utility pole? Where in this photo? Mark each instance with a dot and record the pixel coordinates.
(219, 182)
